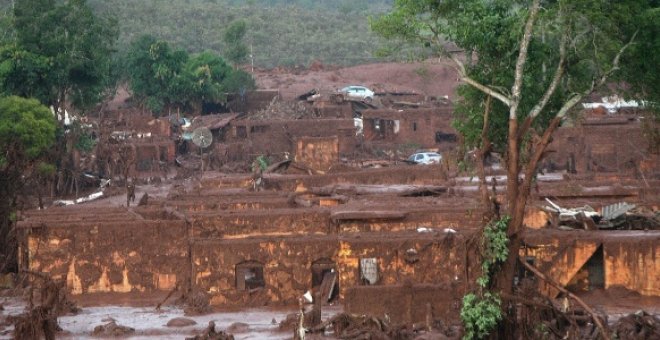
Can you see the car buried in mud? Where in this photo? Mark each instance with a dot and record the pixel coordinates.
(425, 158)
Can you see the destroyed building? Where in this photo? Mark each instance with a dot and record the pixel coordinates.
(425, 127)
(382, 241)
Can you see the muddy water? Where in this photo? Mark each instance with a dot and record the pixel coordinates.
(150, 324)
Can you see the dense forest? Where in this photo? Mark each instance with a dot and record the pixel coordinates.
(279, 32)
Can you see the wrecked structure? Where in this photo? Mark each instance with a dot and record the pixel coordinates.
(261, 248)
(384, 241)
(427, 128)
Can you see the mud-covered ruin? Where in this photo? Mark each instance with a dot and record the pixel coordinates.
(340, 213)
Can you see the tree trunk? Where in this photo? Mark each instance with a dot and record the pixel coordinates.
(518, 203)
(513, 166)
(481, 158)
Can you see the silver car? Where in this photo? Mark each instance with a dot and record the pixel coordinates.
(425, 158)
(358, 92)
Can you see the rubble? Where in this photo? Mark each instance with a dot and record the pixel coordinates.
(335, 212)
(211, 334)
(112, 329)
(619, 216)
(40, 321)
(637, 326)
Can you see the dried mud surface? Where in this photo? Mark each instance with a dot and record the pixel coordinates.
(432, 78)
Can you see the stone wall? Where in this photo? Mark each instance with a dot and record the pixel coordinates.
(318, 153)
(102, 257)
(287, 264)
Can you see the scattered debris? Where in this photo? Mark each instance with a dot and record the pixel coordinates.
(349, 326)
(197, 304)
(40, 321)
(181, 322)
(112, 329)
(211, 334)
(278, 109)
(638, 326)
(88, 198)
(612, 211)
(144, 200)
(619, 216)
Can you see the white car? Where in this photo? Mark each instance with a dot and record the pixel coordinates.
(358, 92)
(425, 158)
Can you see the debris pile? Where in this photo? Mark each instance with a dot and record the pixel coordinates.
(638, 326)
(278, 109)
(211, 334)
(350, 326)
(112, 329)
(619, 216)
(40, 321)
(197, 304)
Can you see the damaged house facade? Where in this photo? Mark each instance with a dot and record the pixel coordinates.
(381, 241)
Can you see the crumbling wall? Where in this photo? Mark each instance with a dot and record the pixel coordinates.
(426, 128)
(265, 222)
(608, 144)
(402, 257)
(277, 137)
(286, 264)
(634, 263)
(406, 303)
(421, 175)
(318, 153)
(120, 256)
(329, 107)
(630, 259)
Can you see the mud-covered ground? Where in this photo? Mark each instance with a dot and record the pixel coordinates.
(148, 323)
(431, 78)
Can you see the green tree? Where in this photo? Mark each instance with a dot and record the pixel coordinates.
(239, 81)
(156, 73)
(163, 78)
(27, 131)
(236, 50)
(67, 48)
(527, 65)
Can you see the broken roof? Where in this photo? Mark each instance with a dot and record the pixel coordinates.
(213, 122)
(401, 113)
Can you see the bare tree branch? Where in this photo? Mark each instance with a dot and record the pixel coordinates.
(603, 330)
(481, 87)
(559, 72)
(522, 59)
(615, 67)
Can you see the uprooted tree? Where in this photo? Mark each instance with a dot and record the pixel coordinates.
(525, 66)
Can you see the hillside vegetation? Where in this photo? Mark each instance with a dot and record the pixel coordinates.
(279, 32)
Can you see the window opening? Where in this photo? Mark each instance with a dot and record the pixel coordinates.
(325, 279)
(249, 275)
(369, 271)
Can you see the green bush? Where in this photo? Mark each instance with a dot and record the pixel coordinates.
(480, 314)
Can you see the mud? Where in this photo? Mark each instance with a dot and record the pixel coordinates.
(394, 237)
